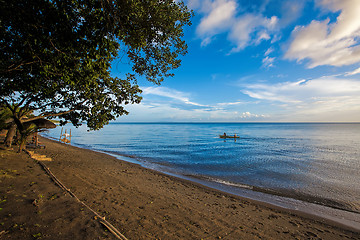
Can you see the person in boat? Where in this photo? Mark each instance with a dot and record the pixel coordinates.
(224, 134)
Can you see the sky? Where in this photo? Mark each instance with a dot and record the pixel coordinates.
(262, 61)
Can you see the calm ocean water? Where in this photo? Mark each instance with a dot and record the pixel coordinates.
(313, 162)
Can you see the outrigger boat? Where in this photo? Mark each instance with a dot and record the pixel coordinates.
(229, 136)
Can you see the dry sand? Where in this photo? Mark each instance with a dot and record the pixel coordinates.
(140, 203)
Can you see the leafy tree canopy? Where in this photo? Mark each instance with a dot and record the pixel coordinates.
(56, 55)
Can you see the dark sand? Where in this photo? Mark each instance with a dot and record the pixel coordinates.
(140, 203)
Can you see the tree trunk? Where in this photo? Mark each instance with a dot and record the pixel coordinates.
(22, 143)
(17, 137)
(10, 135)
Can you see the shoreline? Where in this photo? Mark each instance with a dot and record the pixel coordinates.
(202, 187)
(346, 218)
(313, 208)
(147, 204)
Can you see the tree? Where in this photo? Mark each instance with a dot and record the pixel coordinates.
(56, 55)
(7, 123)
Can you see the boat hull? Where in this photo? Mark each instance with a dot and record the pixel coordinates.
(222, 136)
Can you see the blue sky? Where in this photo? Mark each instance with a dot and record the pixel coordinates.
(262, 61)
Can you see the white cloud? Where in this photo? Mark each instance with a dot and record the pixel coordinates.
(251, 115)
(314, 100)
(154, 112)
(167, 112)
(326, 43)
(222, 11)
(206, 41)
(170, 93)
(356, 71)
(270, 50)
(217, 19)
(268, 62)
(243, 30)
(262, 36)
(241, 33)
(303, 90)
(230, 103)
(165, 92)
(166, 104)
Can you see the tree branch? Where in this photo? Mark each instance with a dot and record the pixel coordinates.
(56, 47)
(45, 115)
(22, 64)
(52, 114)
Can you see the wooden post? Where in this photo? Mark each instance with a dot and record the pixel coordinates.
(36, 139)
(61, 134)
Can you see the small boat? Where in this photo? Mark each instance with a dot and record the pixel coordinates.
(229, 136)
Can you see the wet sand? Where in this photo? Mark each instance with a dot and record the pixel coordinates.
(140, 203)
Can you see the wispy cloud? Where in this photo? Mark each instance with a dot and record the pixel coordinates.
(168, 112)
(268, 62)
(219, 16)
(270, 50)
(356, 71)
(231, 103)
(245, 26)
(328, 43)
(170, 93)
(316, 99)
(166, 104)
(303, 90)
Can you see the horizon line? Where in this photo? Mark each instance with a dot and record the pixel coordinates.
(234, 122)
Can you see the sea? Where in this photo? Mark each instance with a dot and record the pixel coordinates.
(307, 167)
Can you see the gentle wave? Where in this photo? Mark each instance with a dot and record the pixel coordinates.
(317, 163)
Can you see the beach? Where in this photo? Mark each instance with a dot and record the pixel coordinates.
(141, 203)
